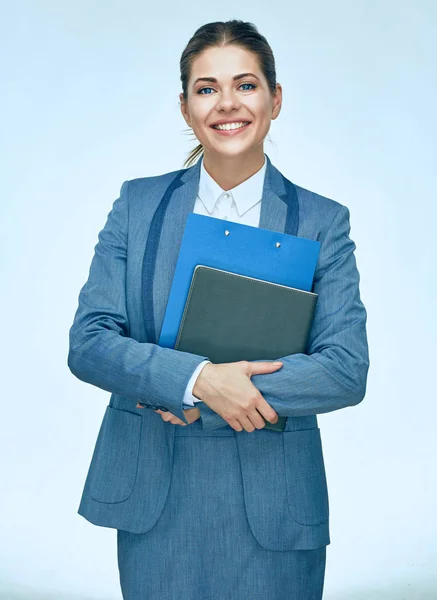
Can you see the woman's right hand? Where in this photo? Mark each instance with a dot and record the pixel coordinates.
(227, 389)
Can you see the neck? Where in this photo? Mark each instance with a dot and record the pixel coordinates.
(230, 171)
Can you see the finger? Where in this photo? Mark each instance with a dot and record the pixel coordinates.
(169, 417)
(191, 414)
(246, 423)
(235, 424)
(261, 409)
(174, 420)
(256, 419)
(241, 423)
(266, 411)
(255, 368)
(252, 421)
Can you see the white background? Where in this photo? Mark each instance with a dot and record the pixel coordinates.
(90, 99)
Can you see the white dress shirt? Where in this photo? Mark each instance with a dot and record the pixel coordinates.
(241, 204)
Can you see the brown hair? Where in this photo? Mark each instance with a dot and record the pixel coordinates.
(225, 33)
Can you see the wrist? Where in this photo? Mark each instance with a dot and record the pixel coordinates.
(201, 386)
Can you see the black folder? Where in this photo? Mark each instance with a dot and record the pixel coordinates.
(230, 317)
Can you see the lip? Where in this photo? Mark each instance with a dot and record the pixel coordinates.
(231, 132)
(226, 121)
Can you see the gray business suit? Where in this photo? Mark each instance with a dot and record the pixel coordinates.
(274, 483)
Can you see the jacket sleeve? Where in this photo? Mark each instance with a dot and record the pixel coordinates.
(333, 372)
(100, 350)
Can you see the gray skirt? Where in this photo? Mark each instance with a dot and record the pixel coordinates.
(201, 547)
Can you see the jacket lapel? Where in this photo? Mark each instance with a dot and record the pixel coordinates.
(279, 212)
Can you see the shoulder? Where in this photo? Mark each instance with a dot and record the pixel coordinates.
(318, 213)
(136, 193)
(326, 221)
(140, 185)
(313, 202)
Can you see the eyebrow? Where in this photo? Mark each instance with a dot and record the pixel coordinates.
(235, 78)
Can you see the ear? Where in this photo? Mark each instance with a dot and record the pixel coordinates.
(184, 110)
(277, 101)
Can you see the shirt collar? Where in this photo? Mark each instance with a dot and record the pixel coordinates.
(246, 194)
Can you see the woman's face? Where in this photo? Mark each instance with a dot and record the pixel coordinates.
(213, 95)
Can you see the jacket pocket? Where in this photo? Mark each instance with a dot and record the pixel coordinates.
(114, 464)
(307, 492)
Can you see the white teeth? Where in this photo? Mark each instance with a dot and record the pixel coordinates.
(229, 126)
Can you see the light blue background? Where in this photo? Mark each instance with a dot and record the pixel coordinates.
(90, 99)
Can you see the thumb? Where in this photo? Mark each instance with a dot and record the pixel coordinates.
(256, 368)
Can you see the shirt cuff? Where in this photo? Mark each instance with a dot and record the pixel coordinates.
(189, 398)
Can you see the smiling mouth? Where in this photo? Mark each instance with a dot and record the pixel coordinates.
(231, 126)
(231, 131)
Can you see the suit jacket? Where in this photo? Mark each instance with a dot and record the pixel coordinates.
(113, 346)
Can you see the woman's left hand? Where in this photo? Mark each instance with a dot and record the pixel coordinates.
(191, 414)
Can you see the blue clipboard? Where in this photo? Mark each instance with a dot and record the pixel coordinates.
(240, 249)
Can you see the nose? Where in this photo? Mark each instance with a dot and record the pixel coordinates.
(227, 100)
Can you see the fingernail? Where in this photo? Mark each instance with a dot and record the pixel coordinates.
(277, 363)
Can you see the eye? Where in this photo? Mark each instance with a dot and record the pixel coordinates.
(201, 90)
(252, 84)
(209, 88)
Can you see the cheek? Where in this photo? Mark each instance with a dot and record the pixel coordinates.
(261, 111)
(200, 111)
(264, 110)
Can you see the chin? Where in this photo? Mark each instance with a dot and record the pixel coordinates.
(232, 151)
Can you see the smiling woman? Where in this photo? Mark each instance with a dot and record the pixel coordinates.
(207, 503)
(231, 116)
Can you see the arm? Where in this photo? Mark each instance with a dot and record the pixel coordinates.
(101, 352)
(333, 373)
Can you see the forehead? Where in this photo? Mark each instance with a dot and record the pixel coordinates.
(224, 62)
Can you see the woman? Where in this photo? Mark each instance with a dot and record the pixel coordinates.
(207, 503)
